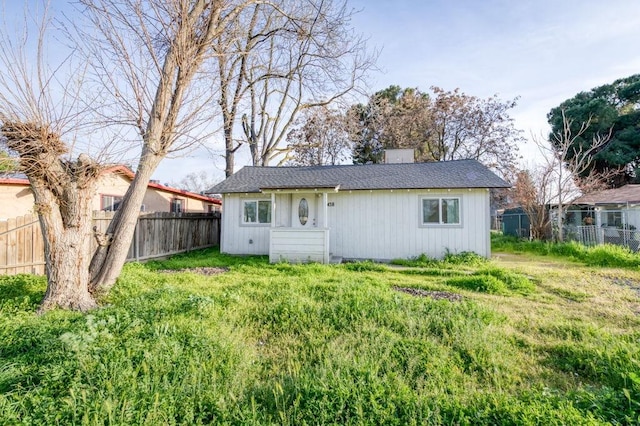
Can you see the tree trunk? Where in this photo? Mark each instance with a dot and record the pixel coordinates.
(111, 254)
(66, 230)
(560, 222)
(229, 151)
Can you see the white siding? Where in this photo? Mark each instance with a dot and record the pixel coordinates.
(283, 210)
(633, 217)
(299, 245)
(387, 225)
(238, 238)
(380, 225)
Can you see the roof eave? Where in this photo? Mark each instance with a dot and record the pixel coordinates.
(298, 188)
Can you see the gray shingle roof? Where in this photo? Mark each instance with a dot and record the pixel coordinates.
(444, 174)
(626, 194)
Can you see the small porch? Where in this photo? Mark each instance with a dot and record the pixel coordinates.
(299, 245)
(299, 230)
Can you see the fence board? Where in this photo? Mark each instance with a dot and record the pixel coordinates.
(12, 247)
(3, 242)
(156, 235)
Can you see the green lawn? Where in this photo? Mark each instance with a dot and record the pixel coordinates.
(534, 340)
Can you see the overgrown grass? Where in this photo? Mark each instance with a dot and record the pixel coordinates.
(465, 258)
(606, 255)
(323, 344)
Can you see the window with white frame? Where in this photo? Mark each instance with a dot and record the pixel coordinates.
(256, 211)
(440, 211)
(110, 203)
(612, 218)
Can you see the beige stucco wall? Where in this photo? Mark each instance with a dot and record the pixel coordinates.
(160, 201)
(17, 200)
(155, 200)
(111, 184)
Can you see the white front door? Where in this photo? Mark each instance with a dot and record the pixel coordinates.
(304, 211)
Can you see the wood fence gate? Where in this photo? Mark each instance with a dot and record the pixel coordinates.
(156, 235)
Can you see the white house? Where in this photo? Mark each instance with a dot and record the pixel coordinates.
(612, 208)
(374, 211)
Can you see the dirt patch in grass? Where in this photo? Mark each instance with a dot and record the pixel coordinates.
(203, 270)
(529, 259)
(437, 295)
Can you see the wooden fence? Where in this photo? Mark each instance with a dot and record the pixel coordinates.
(156, 235)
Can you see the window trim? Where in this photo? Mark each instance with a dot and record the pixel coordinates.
(257, 201)
(115, 197)
(182, 204)
(604, 217)
(424, 224)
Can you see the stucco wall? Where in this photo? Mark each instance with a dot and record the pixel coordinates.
(15, 200)
(155, 200)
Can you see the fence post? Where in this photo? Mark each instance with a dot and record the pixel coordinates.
(136, 243)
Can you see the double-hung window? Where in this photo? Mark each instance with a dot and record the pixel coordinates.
(441, 211)
(256, 212)
(177, 205)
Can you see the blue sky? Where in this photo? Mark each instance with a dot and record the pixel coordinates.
(542, 51)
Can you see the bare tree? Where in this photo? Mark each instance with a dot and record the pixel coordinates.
(533, 192)
(320, 138)
(232, 48)
(465, 126)
(280, 61)
(567, 167)
(144, 59)
(197, 182)
(32, 125)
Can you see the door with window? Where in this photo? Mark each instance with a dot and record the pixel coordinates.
(304, 211)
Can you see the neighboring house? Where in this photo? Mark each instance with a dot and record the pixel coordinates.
(16, 198)
(375, 211)
(614, 208)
